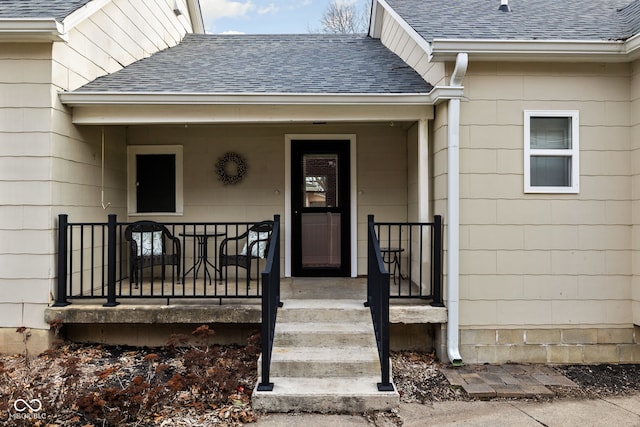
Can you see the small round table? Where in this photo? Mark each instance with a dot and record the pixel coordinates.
(390, 256)
(202, 257)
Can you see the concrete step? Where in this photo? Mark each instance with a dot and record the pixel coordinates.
(323, 362)
(324, 359)
(314, 334)
(332, 311)
(335, 395)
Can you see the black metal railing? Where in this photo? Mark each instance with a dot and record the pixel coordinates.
(416, 249)
(412, 253)
(270, 304)
(378, 279)
(101, 261)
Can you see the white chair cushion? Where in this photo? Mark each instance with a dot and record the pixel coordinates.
(258, 249)
(146, 244)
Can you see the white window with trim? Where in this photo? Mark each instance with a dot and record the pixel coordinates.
(154, 180)
(551, 151)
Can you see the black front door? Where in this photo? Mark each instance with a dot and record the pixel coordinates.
(320, 199)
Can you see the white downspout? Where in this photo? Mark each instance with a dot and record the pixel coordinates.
(453, 212)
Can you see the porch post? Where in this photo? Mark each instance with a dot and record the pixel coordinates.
(111, 261)
(61, 294)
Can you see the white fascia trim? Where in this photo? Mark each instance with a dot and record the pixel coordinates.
(375, 23)
(31, 29)
(80, 14)
(139, 98)
(195, 12)
(547, 50)
(424, 45)
(633, 47)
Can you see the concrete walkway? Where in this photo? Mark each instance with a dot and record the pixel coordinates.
(610, 412)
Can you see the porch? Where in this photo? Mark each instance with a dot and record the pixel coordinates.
(96, 297)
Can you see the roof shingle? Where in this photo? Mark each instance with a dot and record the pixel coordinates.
(58, 9)
(528, 19)
(306, 64)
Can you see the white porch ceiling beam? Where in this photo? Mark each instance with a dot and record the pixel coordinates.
(139, 108)
(212, 114)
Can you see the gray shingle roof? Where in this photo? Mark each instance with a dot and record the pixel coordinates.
(57, 9)
(307, 63)
(528, 19)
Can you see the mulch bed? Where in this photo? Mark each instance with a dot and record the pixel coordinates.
(187, 383)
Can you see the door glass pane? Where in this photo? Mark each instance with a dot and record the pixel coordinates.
(551, 171)
(321, 240)
(320, 174)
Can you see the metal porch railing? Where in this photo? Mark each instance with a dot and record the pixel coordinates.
(416, 249)
(412, 253)
(95, 259)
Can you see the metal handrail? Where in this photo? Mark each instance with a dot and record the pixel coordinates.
(378, 301)
(270, 304)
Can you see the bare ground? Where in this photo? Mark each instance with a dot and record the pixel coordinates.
(189, 384)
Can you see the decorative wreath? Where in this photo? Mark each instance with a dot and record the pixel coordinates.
(231, 168)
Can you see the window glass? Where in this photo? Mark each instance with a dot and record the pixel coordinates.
(321, 180)
(551, 132)
(550, 171)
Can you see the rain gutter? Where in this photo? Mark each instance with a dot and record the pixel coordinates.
(31, 30)
(164, 98)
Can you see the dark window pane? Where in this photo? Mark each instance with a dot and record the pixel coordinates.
(156, 182)
(550, 171)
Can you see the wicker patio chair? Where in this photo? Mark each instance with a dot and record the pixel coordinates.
(151, 244)
(255, 246)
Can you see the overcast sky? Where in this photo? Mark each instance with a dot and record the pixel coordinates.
(263, 16)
